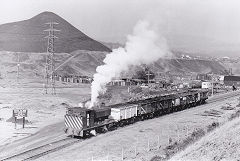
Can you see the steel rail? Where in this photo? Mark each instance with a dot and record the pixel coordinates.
(42, 150)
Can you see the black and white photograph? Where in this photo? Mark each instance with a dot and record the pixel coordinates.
(120, 80)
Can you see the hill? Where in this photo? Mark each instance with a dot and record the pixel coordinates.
(28, 36)
(85, 63)
(112, 45)
(189, 65)
(82, 62)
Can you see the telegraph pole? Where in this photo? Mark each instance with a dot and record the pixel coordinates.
(148, 74)
(18, 65)
(50, 64)
(212, 84)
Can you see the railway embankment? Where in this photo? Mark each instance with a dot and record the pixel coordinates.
(220, 144)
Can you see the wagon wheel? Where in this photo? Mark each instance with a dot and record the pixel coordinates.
(105, 129)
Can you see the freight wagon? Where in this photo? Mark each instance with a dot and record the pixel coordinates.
(83, 121)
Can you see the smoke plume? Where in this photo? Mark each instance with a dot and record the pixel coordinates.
(144, 46)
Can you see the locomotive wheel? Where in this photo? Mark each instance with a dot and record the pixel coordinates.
(85, 134)
(111, 126)
(169, 111)
(98, 130)
(161, 113)
(151, 116)
(104, 129)
(180, 108)
(156, 114)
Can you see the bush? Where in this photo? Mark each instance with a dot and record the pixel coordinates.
(157, 158)
(237, 114)
(177, 146)
(198, 133)
(212, 126)
(106, 96)
(136, 89)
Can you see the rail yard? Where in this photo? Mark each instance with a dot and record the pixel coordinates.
(45, 143)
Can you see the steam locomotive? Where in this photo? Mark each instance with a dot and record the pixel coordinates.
(84, 122)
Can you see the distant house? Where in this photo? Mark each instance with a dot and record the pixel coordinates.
(73, 79)
(231, 80)
(139, 81)
(128, 81)
(118, 82)
(203, 77)
(122, 82)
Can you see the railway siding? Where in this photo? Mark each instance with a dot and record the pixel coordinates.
(42, 150)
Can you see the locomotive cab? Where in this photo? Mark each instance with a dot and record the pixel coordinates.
(79, 121)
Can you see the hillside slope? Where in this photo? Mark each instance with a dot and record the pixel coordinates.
(84, 62)
(112, 45)
(222, 144)
(189, 65)
(28, 36)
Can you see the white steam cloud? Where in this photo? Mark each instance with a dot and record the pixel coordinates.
(144, 46)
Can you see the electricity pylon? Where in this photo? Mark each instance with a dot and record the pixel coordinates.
(50, 63)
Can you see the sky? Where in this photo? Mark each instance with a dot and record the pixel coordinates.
(192, 25)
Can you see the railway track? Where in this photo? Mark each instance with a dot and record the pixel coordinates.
(221, 97)
(40, 151)
(211, 100)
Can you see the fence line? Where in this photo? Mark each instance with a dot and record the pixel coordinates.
(143, 145)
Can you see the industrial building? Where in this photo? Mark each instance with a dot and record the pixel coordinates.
(231, 80)
(73, 79)
(203, 77)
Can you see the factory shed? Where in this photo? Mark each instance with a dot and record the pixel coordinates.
(231, 80)
(122, 82)
(203, 77)
(118, 82)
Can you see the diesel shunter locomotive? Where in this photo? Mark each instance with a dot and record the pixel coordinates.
(83, 121)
